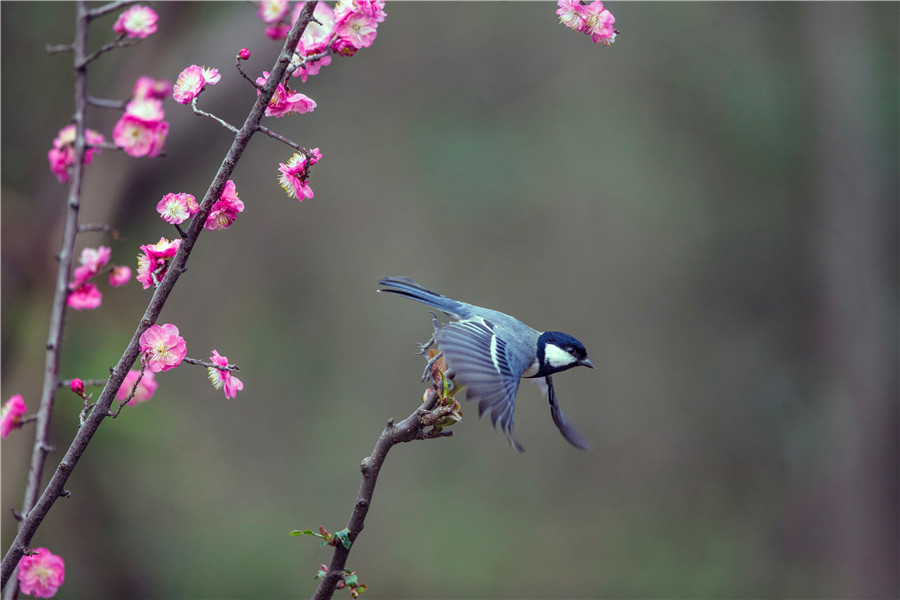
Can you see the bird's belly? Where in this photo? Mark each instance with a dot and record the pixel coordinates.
(532, 370)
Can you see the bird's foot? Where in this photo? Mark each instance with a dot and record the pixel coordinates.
(428, 366)
(423, 348)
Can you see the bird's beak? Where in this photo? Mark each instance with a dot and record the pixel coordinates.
(586, 363)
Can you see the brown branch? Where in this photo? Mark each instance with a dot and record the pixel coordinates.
(411, 428)
(99, 227)
(34, 512)
(58, 309)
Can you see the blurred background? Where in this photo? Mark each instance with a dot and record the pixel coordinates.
(710, 205)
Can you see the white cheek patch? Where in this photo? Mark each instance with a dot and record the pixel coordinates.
(557, 357)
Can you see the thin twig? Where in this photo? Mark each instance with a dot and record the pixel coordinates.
(107, 103)
(108, 8)
(119, 42)
(36, 512)
(284, 140)
(203, 113)
(101, 227)
(86, 382)
(200, 363)
(56, 49)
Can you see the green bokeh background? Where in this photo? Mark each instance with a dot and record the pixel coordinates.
(710, 205)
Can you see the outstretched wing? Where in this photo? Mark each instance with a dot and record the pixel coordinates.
(482, 364)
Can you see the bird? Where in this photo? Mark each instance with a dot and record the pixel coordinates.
(491, 352)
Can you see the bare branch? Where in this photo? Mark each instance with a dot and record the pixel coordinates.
(99, 227)
(107, 103)
(203, 113)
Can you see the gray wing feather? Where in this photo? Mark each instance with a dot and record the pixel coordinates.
(483, 365)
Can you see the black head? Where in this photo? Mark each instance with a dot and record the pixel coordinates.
(558, 351)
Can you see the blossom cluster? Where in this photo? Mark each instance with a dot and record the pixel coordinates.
(295, 173)
(344, 29)
(142, 131)
(62, 154)
(591, 19)
(84, 295)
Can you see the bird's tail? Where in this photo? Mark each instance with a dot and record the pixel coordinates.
(404, 286)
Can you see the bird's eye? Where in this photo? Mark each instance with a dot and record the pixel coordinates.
(570, 350)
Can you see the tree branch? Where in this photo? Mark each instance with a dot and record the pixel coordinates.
(431, 413)
(34, 513)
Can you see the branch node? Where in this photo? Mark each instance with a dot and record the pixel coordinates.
(65, 493)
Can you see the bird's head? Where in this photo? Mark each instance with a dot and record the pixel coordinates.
(558, 351)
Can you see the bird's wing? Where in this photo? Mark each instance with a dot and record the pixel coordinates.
(482, 363)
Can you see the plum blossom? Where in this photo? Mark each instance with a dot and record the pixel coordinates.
(192, 80)
(226, 208)
(285, 101)
(145, 388)
(62, 155)
(591, 19)
(41, 573)
(177, 208)
(86, 296)
(571, 14)
(10, 414)
(163, 347)
(222, 377)
(272, 11)
(119, 276)
(136, 22)
(154, 259)
(244, 53)
(92, 260)
(147, 87)
(356, 23)
(141, 130)
(295, 173)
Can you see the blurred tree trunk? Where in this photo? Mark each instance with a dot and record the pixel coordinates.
(855, 200)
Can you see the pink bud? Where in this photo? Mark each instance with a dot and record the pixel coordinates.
(77, 386)
(244, 54)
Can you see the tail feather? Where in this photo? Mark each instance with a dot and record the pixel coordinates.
(404, 286)
(572, 435)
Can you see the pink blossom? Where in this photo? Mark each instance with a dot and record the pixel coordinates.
(356, 23)
(10, 414)
(317, 35)
(222, 377)
(164, 348)
(295, 173)
(77, 386)
(148, 110)
(147, 87)
(153, 261)
(62, 155)
(277, 32)
(272, 11)
(41, 573)
(311, 67)
(86, 296)
(571, 14)
(344, 47)
(139, 138)
(145, 389)
(191, 82)
(285, 101)
(226, 209)
(119, 276)
(598, 23)
(136, 22)
(177, 208)
(244, 54)
(92, 260)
